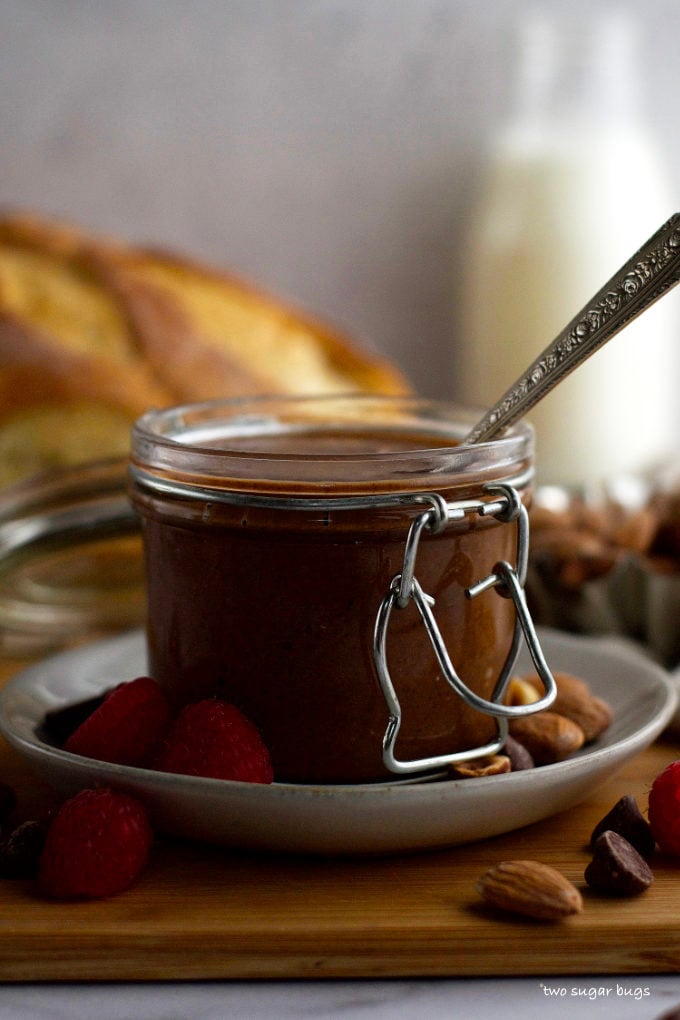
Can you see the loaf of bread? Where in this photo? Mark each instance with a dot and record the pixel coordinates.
(93, 332)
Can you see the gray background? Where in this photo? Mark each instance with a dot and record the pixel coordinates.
(326, 148)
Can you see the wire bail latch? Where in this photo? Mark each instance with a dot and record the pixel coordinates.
(508, 582)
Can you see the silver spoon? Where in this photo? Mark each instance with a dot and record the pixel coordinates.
(646, 277)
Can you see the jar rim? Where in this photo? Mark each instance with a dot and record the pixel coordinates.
(210, 443)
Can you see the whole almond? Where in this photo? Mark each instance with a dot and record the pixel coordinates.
(547, 736)
(594, 717)
(530, 888)
(637, 530)
(566, 683)
(548, 519)
(573, 557)
(576, 701)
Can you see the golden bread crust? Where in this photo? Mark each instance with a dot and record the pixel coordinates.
(88, 320)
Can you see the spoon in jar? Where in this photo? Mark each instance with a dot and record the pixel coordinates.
(646, 277)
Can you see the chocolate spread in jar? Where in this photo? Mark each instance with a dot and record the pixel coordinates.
(273, 608)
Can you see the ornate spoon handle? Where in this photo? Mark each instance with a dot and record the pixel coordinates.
(652, 271)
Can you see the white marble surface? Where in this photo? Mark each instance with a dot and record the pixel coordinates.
(622, 998)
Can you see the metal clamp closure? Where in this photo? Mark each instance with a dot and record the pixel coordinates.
(506, 580)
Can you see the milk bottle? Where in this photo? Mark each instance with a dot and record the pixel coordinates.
(575, 185)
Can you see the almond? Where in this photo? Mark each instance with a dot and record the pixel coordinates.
(594, 717)
(530, 888)
(489, 765)
(566, 683)
(573, 557)
(548, 736)
(637, 530)
(575, 701)
(522, 692)
(543, 518)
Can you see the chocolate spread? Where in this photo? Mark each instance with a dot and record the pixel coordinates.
(274, 609)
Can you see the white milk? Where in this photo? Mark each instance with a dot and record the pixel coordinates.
(570, 196)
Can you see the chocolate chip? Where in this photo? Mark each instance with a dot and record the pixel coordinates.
(617, 868)
(626, 819)
(520, 758)
(20, 852)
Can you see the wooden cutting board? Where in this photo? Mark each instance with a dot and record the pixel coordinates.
(200, 912)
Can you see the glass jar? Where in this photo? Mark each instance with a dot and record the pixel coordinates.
(325, 564)
(70, 560)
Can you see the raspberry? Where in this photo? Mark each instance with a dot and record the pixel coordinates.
(127, 727)
(664, 809)
(213, 738)
(96, 846)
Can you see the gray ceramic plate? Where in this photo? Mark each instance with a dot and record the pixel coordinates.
(375, 818)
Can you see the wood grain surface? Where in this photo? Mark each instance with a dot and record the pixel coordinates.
(199, 912)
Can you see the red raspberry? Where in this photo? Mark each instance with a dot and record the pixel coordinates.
(127, 727)
(664, 809)
(213, 738)
(97, 845)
